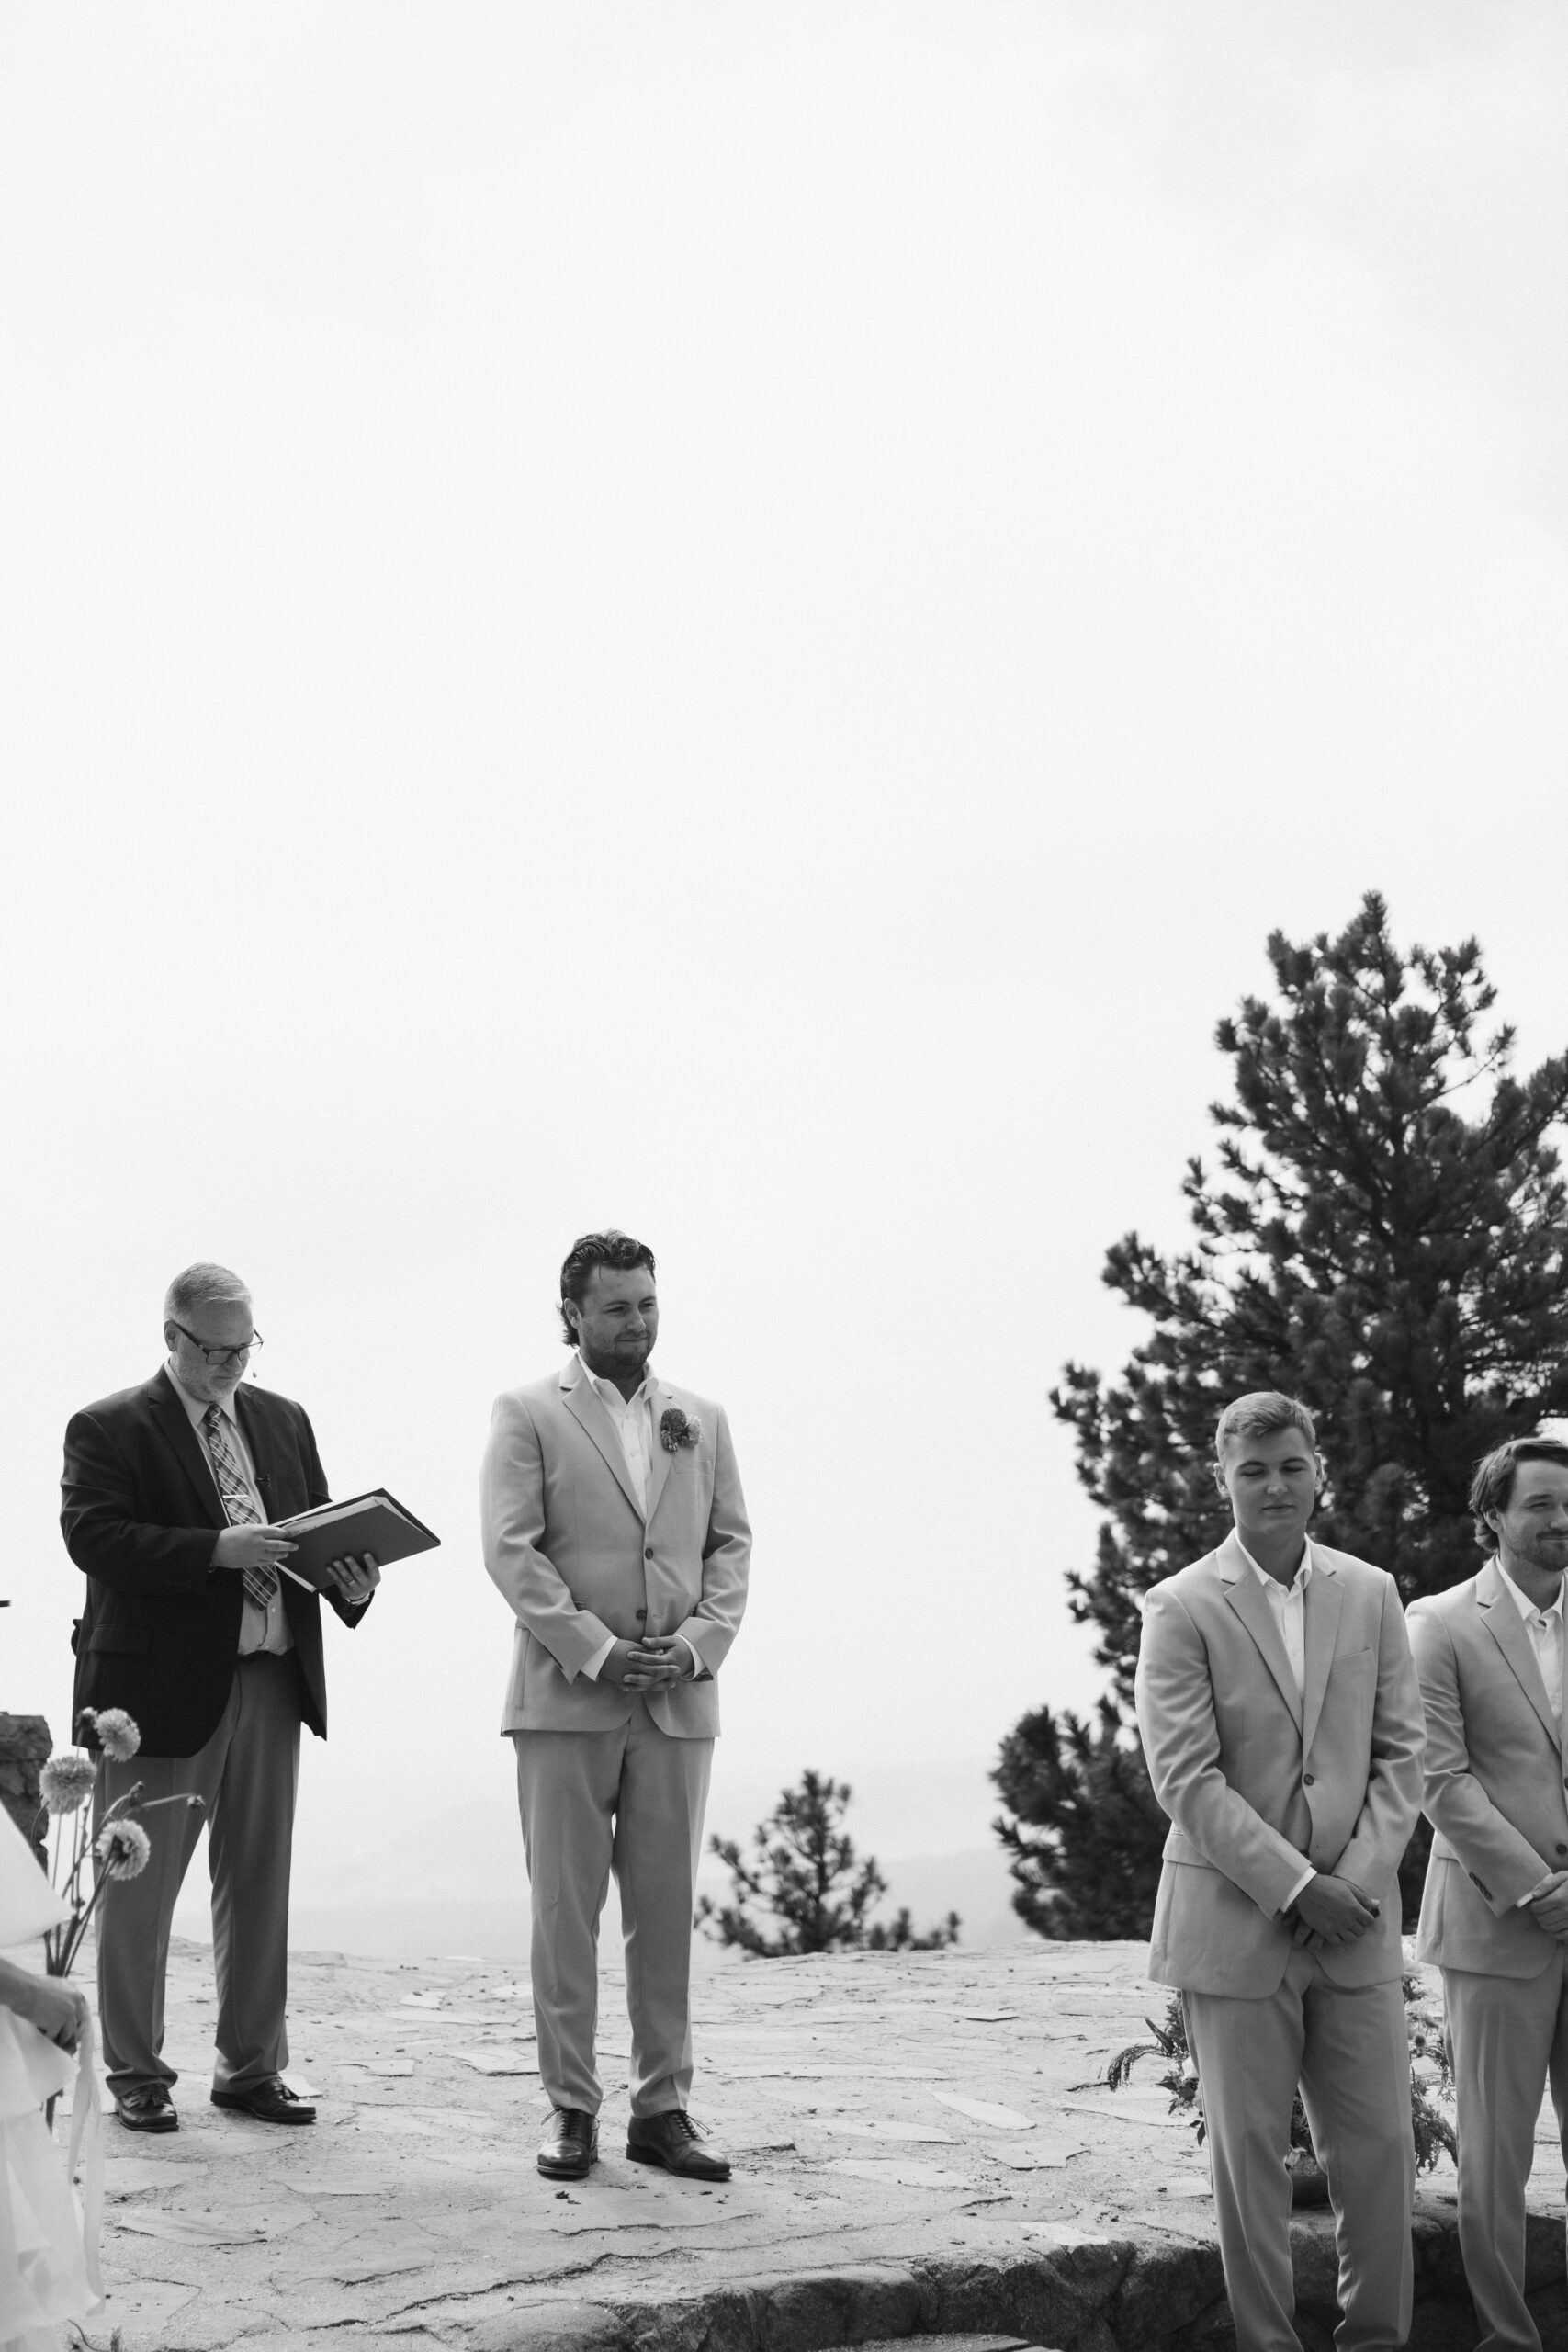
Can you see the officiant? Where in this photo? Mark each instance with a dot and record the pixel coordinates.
(172, 1492)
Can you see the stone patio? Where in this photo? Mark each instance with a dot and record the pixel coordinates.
(923, 2143)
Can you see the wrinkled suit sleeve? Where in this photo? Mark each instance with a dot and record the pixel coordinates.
(1394, 1782)
(1493, 1852)
(511, 1509)
(727, 1560)
(1174, 1696)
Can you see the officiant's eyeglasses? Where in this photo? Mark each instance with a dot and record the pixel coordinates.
(219, 1355)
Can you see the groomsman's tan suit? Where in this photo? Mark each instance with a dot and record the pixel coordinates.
(1264, 1782)
(1495, 1798)
(581, 1560)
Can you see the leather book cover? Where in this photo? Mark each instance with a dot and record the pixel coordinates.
(377, 1523)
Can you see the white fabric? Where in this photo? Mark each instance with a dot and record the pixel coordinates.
(1544, 1627)
(260, 1629)
(1288, 1602)
(48, 2251)
(632, 1418)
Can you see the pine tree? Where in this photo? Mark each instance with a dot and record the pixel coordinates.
(807, 1876)
(1383, 1238)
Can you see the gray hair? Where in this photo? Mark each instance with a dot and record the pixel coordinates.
(196, 1285)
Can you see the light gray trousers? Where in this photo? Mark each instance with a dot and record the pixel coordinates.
(1509, 2037)
(246, 1776)
(1350, 2051)
(630, 1800)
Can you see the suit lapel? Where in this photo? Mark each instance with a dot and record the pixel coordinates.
(581, 1401)
(660, 1458)
(1502, 1620)
(1247, 1598)
(1321, 1604)
(175, 1424)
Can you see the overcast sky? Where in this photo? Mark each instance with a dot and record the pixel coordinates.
(735, 620)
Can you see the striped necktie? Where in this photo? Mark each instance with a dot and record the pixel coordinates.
(260, 1583)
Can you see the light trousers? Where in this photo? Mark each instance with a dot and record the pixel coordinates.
(630, 1800)
(247, 1776)
(1510, 2037)
(1350, 2051)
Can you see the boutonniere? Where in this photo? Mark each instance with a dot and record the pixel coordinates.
(676, 1431)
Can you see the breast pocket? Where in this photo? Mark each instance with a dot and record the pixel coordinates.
(1357, 1670)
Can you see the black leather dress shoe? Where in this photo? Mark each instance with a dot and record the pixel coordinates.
(569, 2145)
(149, 2110)
(270, 2102)
(674, 2141)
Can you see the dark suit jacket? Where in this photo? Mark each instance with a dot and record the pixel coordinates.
(161, 1630)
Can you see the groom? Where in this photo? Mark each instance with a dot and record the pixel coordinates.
(615, 1525)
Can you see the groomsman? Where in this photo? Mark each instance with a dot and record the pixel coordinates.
(168, 1496)
(614, 1525)
(1281, 1721)
(1494, 1914)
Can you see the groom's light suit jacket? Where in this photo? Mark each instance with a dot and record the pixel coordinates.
(569, 1544)
(1258, 1782)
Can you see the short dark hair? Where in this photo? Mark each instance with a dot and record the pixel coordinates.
(1259, 1413)
(611, 1248)
(1493, 1485)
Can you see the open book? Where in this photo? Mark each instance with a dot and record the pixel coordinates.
(377, 1523)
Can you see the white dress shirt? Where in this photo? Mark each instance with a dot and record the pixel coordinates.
(1287, 1603)
(260, 1629)
(1544, 1627)
(633, 1420)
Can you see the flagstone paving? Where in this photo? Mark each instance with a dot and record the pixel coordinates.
(925, 2116)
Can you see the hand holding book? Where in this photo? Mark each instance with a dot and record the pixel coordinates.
(344, 1546)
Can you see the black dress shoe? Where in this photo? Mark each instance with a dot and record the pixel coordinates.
(569, 2145)
(674, 2141)
(269, 2102)
(149, 2109)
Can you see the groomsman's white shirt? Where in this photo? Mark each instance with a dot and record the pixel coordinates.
(1544, 1627)
(1288, 1602)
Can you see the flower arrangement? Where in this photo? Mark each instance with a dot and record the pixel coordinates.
(1431, 2077)
(678, 1429)
(122, 1847)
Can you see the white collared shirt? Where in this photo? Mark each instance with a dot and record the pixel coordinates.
(1544, 1627)
(1288, 1602)
(260, 1629)
(632, 1418)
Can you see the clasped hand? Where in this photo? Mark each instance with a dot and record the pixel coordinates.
(1331, 1911)
(1549, 1909)
(651, 1663)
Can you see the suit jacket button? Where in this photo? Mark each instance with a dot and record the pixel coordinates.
(1306, 1780)
(648, 1552)
(1562, 1849)
(641, 1619)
